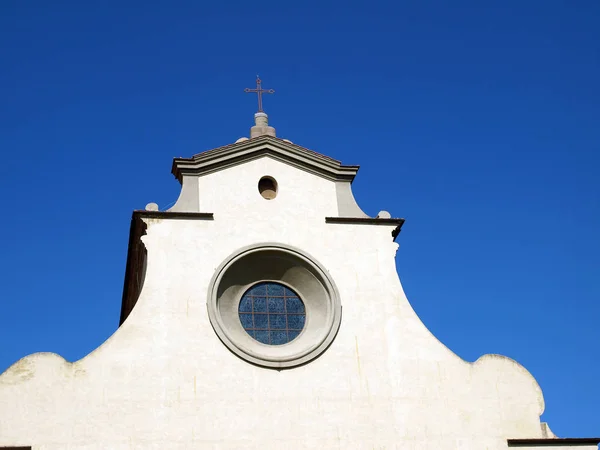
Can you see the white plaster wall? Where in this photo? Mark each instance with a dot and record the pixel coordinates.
(232, 194)
(165, 381)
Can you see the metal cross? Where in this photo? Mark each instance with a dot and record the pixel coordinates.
(260, 91)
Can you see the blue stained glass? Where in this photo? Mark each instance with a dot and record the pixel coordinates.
(259, 290)
(272, 313)
(260, 304)
(246, 320)
(296, 322)
(279, 337)
(277, 322)
(246, 304)
(262, 336)
(275, 289)
(261, 321)
(294, 305)
(276, 305)
(292, 335)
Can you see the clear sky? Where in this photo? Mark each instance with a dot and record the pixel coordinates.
(477, 121)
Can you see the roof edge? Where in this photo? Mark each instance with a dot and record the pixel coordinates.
(233, 154)
(552, 442)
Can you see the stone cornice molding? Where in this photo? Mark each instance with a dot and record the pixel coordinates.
(233, 154)
(172, 215)
(398, 222)
(553, 442)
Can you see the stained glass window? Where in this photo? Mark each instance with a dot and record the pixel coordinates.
(272, 313)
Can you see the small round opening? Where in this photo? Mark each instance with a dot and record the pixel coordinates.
(267, 187)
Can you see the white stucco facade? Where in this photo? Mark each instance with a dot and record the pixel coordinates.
(164, 380)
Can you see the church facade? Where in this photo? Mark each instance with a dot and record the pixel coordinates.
(263, 310)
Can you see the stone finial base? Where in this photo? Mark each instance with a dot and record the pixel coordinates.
(261, 131)
(261, 127)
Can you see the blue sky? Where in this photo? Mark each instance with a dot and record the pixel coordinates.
(476, 121)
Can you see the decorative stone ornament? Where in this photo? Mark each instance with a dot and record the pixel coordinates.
(283, 265)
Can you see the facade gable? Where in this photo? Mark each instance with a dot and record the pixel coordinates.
(186, 369)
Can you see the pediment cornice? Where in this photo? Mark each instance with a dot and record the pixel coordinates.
(240, 152)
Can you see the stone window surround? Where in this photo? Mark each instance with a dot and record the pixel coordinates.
(282, 264)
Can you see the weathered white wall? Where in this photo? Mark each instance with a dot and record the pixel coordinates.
(232, 194)
(165, 381)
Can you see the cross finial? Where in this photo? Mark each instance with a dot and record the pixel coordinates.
(260, 91)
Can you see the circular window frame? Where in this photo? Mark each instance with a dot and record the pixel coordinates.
(279, 263)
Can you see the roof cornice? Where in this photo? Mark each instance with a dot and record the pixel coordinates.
(397, 222)
(553, 442)
(233, 154)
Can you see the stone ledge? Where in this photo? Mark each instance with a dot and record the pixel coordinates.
(369, 221)
(172, 215)
(552, 442)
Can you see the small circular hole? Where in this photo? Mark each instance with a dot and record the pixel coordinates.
(267, 187)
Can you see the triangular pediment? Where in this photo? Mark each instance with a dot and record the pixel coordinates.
(222, 157)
